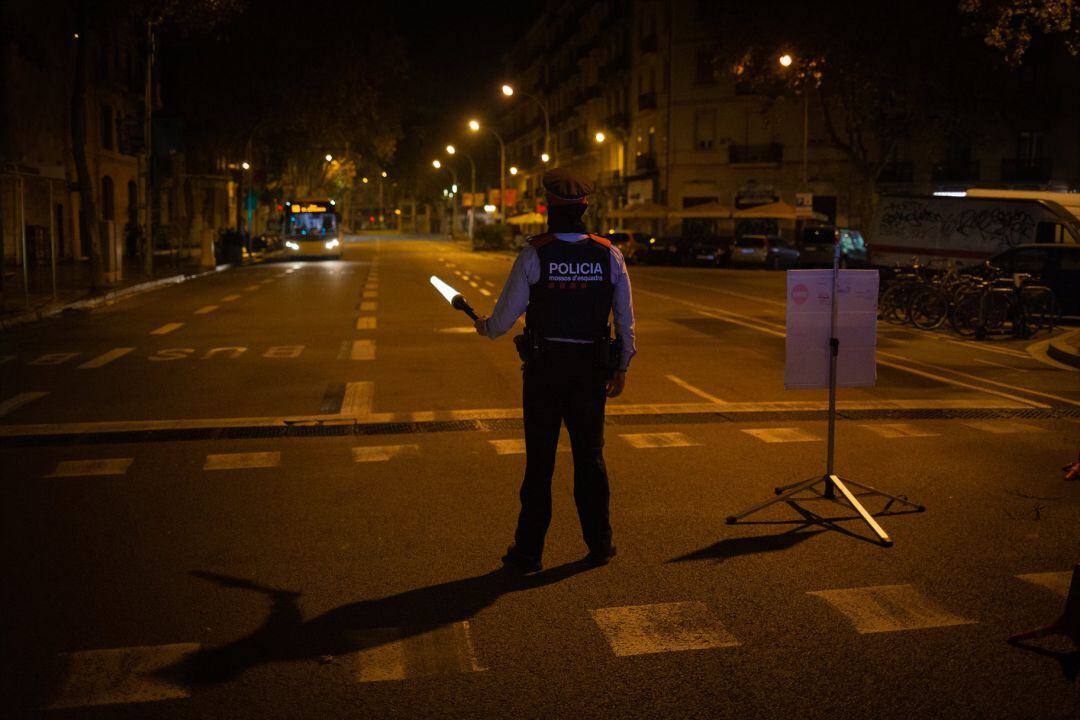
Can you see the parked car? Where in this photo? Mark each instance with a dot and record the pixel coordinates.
(817, 243)
(1056, 266)
(670, 250)
(633, 245)
(709, 250)
(763, 250)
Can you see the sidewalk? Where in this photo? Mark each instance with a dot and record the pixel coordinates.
(1066, 348)
(73, 285)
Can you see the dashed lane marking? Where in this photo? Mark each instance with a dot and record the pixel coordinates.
(889, 608)
(53, 359)
(122, 675)
(1002, 427)
(365, 322)
(368, 306)
(781, 435)
(696, 391)
(666, 627)
(358, 399)
(369, 295)
(105, 358)
(401, 653)
(464, 330)
(898, 430)
(1055, 582)
(658, 440)
(167, 328)
(91, 468)
(362, 350)
(14, 403)
(474, 284)
(249, 288)
(382, 453)
(514, 446)
(230, 298)
(485, 292)
(1000, 365)
(489, 283)
(207, 310)
(242, 461)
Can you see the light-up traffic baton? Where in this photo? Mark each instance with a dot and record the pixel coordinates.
(456, 299)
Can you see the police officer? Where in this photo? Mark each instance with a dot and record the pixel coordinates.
(568, 283)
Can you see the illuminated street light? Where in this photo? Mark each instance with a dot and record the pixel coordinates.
(544, 157)
(507, 90)
(450, 149)
(786, 60)
(329, 157)
(600, 137)
(513, 170)
(246, 166)
(490, 208)
(363, 180)
(474, 125)
(383, 174)
(436, 164)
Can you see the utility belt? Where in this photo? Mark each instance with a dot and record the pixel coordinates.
(608, 350)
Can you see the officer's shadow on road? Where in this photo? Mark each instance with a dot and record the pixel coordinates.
(285, 635)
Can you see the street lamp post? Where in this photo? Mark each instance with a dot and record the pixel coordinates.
(786, 61)
(382, 176)
(508, 91)
(437, 164)
(474, 126)
(451, 150)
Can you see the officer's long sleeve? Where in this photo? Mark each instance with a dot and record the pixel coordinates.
(514, 297)
(622, 309)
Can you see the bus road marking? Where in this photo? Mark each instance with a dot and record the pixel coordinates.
(105, 358)
(369, 306)
(53, 359)
(362, 350)
(167, 328)
(206, 310)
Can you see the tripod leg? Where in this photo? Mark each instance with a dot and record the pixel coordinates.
(786, 495)
(857, 507)
(875, 491)
(784, 488)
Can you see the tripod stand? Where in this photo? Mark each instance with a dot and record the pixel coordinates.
(833, 487)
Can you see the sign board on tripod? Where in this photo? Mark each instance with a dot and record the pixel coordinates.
(809, 328)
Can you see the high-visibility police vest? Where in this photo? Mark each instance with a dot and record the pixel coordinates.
(572, 299)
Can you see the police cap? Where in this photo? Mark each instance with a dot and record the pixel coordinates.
(565, 186)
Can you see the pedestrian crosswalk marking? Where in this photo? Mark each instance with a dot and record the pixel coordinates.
(122, 675)
(166, 328)
(368, 306)
(1002, 427)
(889, 608)
(666, 627)
(898, 430)
(402, 653)
(362, 350)
(1055, 582)
(230, 298)
(358, 399)
(781, 435)
(365, 322)
(658, 440)
(485, 292)
(206, 310)
(105, 358)
(514, 446)
(91, 468)
(17, 401)
(382, 453)
(53, 359)
(242, 461)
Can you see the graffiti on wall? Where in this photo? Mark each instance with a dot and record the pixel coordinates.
(915, 219)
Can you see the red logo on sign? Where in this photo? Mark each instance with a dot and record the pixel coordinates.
(799, 294)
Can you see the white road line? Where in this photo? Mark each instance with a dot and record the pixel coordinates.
(402, 653)
(242, 461)
(90, 468)
(665, 627)
(53, 359)
(358, 399)
(382, 453)
(105, 358)
(1000, 365)
(249, 288)
(485, 292)
(122, 675)
(781, 435)
(898, 430)
(1055, 582)
(514, 446)
(641, 441)
(206, 310)
(489, 283)
(474, 284)
(16, 402)
(230, 298)
(167, 328)
(889, 608)
(369, 295)
(696, 391)
(365, 322)
(462, 330)
(1002, 427)
(755, 298)
(368, 307)
(362, 350)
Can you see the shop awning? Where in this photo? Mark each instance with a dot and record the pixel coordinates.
(529, 218)
(649, 211)
(713, 209)
(774, 211)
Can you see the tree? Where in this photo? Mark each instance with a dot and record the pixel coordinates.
(1011, 26)
(88, 213)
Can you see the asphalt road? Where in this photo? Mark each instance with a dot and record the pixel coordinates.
(282, 491)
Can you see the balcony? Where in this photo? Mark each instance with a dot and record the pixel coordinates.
(649, 44)
(897, 172)
(647, 101)
(956, 171)
(1030, 170)
(594, 92)
(645, 163)
(765, 154)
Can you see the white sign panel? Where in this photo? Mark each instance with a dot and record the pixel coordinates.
(809, 319)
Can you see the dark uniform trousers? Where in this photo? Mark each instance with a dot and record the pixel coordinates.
(564, 385)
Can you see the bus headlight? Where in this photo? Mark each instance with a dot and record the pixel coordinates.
(332, 244)
(291, 245)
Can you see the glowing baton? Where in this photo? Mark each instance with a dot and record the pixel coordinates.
(456, 299)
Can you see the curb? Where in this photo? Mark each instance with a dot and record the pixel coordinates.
(1063, 352)
(107, 298)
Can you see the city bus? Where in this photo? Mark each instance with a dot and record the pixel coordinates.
(311, 228)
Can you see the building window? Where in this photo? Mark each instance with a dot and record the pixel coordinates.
(1029, 145)
(704, 129)
(108, 199)
(107, 127)
(706, 74)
